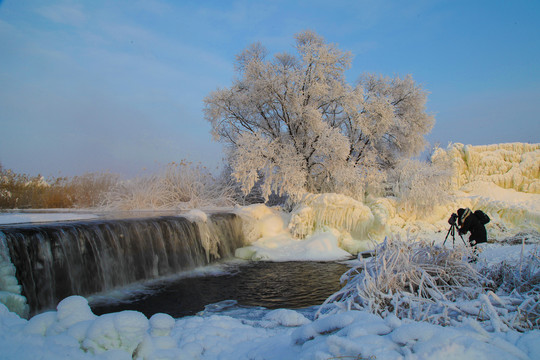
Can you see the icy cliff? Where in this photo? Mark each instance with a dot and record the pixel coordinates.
(510, 166)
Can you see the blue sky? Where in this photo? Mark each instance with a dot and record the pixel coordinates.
(119, 85)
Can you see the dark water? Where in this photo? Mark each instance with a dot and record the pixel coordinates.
(291, 285)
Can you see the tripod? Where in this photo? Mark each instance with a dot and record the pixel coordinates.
(452, 231)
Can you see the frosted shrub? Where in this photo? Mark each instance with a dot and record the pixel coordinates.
(89, 189)
(410, 280)
(417, 281)
(521, 281)
(178, 186)
(36, 192)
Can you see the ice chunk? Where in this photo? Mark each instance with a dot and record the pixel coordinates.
(10, 290)
(285, 317)
(14, 302)
(196, 215)
(323, 246)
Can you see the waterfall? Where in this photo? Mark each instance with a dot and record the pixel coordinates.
(53, 261)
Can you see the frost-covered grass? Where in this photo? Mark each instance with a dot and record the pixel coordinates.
(424, 282)
(179, 186)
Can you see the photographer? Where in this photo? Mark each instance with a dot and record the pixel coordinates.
(469, 221)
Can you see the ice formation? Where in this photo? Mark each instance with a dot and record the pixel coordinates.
(269, 238)
(316, 211)
(10, 290)
(502, 180)
(510, 166)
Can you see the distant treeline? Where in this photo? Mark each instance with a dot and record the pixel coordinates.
(22, 191)
(182, 185)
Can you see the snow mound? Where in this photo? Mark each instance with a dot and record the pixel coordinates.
(260, 221)
(321, 246)
(285, 317)
(161, 324)
(119, 331)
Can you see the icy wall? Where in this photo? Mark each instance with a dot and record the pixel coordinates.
(510, 166)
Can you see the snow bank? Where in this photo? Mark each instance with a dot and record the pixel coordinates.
(510, 166)
(74, 332)
(321, 246)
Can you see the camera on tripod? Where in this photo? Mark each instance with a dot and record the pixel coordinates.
(452, 230)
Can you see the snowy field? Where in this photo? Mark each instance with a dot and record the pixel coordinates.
(466, 322)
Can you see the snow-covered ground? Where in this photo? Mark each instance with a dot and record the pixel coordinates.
(325, 227)
(234, 333)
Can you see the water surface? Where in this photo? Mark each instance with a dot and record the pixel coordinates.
(272, 285)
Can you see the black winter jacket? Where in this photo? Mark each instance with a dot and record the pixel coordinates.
(470, 222)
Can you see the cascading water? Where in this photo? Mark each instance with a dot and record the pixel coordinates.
(53, 261)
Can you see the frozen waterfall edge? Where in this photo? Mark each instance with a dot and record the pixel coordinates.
(41, 264)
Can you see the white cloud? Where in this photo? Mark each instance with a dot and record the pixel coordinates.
(66, 13)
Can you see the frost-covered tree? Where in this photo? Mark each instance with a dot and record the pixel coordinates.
(295, 122)
(420, 186)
